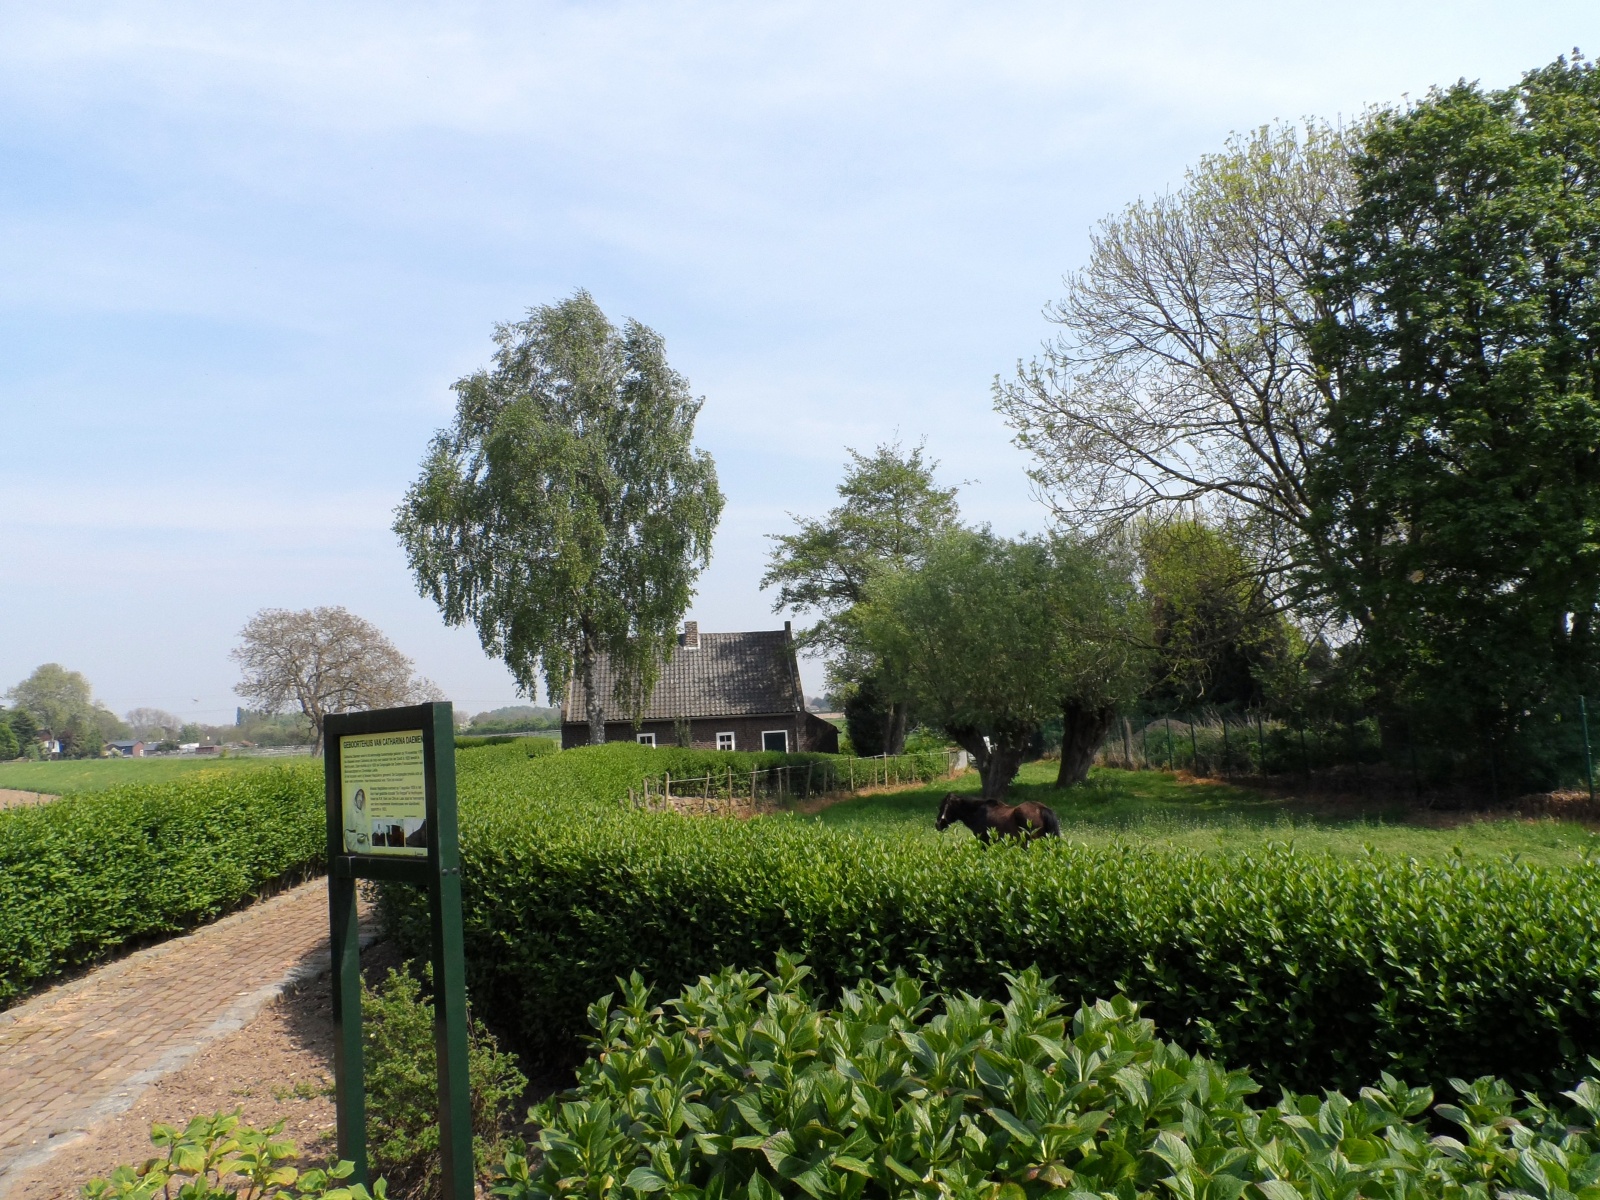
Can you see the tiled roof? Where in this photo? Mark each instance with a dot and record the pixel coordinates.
(730, 675)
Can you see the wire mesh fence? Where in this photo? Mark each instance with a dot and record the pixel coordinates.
(1358, 752)
(775, 788)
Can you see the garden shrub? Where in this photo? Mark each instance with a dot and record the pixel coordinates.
(1312, 969)
(743, 1087)
(85, 874)
(402, 1082)
(220, 1156)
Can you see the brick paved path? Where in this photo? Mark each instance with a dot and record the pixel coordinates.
(85, 1050)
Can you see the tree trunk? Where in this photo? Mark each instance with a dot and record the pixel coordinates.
(997, 759)
(594, 702)
(894, 732)
(1082, 731)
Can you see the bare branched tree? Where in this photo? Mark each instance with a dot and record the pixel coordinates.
(323, 660)
(1181, 375)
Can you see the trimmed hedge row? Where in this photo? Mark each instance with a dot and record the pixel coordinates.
(85, 874)
(1315, 970)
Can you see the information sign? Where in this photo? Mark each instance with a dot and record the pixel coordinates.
(383, 784)
(391, 796)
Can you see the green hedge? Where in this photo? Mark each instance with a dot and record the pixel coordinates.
(744, 1087)
(1315, 970)
(533, 747)
(85, 874)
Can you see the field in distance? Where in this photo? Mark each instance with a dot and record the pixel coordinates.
(91, 774)
(1156, 807)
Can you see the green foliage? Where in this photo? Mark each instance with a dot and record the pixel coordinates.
(743, 1087)
(85, 874)
(1315, 969)
(990, 638)
(9, 747)
(220, 1156)
(403, 1087)
(891, 509)
(1219, 638)
(566, 513)
(26, 730)
(1454, 499)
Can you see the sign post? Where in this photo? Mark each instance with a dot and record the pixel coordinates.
(391, 791)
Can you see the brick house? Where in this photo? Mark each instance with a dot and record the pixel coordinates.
(735, 691)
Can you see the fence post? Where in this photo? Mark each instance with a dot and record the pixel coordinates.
(1194, 748)
(1224, 745)
(1588, 754)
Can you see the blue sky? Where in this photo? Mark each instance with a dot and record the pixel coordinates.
(244, 251)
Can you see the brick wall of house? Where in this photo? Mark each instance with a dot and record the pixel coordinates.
(747, 731)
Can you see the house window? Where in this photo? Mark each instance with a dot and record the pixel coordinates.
(724, 741)
(775, 739)
(647, 739)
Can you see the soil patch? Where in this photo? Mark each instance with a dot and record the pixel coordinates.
(12, 798)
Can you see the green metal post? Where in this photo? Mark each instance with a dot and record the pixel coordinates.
(344, 936)
(1588, 754)
(449, 971)
(350, 1095)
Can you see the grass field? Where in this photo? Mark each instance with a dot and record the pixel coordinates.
(92, 774)
(1155, 807)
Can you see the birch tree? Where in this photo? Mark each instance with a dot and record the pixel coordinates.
(566, 513)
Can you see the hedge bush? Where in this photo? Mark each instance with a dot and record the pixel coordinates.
(742, 1087)
(85, 874)
(1315, 970)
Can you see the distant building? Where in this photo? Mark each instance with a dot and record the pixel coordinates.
(733, 691)
(128, 749)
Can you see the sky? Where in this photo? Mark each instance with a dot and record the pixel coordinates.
(246, 250)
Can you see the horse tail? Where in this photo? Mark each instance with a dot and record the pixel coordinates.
(1048, 819)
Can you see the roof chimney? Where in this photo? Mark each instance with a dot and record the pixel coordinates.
(787, 631)
(691, 635)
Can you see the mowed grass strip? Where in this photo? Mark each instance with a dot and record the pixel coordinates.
(1158, 809)
(66, 776)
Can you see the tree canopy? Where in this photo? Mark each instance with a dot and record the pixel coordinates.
(566, 512)
(1182, 376)
(891, 510)
(61, 704)
(989, 638)
(321, 661)
(1456, 492)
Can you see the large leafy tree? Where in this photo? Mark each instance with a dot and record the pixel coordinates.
(891, 508)
(1219, 638)
(1457, 489)
(990, 638)
(1099, 644)
(61, 704)
(566, 512)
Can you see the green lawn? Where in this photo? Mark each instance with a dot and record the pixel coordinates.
(91, 774)
(1153, 806)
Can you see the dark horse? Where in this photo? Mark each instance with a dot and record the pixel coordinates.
(1028, 820)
